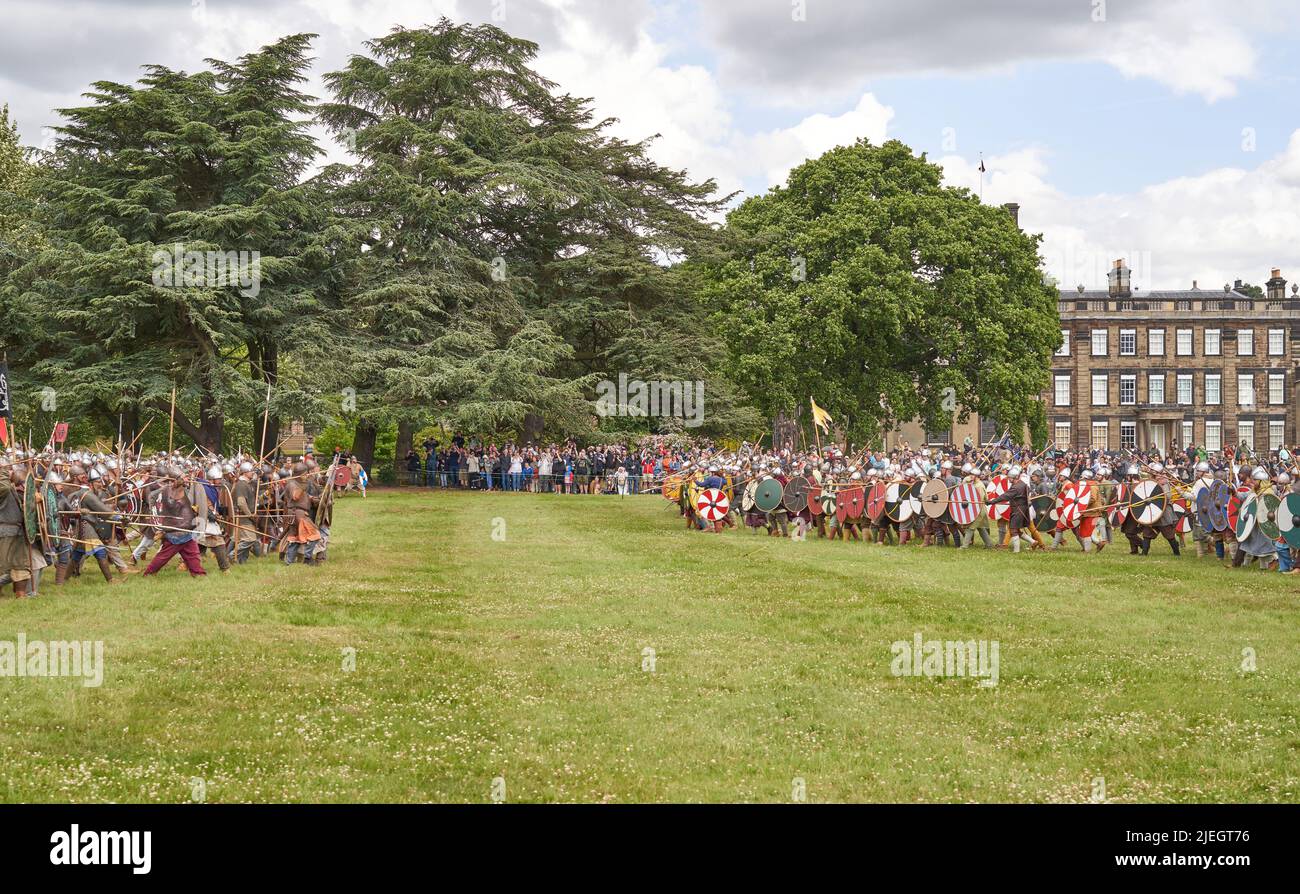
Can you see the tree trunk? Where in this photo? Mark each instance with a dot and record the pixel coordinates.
(212, 425)
(533, 424)
(264, 364)
(405, 437)
(130, 426)
(363, 443)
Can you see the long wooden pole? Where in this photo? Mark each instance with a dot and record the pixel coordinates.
(171, 428)
(266, 417)
(136, 439)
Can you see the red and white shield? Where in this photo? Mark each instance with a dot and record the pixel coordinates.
(997, 487)
(1119, 511)
(1083, 493)
(964, 504)
(712, 504)
(1067, 516)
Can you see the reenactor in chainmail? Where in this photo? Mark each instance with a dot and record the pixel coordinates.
(302, 535)
(215, 508)
(981, 523)
(1167, 525)
(245, 495)
(852, 527)
(1016, 498)
(1201, 537)
(778, 520)
(821, 477)
(1256, 545)
(15, 548)
(911, 527)
(318, 487)
(96, 528)
(947, 524)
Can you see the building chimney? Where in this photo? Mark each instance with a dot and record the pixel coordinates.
(1193, 285)
(1013, 208)
(1119, 280)
(1276, 286)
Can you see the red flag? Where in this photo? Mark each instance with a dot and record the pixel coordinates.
(60, 432)
(4, 431)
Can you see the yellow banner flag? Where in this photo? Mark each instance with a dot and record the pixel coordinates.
(821, 418)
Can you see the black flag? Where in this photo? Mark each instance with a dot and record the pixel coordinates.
(5, 411)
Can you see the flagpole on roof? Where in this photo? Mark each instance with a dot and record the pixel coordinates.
(981, 176)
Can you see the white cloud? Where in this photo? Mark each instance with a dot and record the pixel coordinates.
(1214, 227)
(777, 152)
(1196, 46)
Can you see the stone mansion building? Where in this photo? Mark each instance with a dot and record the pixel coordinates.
(1171, 368)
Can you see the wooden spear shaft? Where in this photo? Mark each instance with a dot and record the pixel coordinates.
(171, 427)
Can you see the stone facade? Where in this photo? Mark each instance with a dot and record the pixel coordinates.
(1215, 367)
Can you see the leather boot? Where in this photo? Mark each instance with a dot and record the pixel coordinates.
(105, 567)
(21, 588)
(60, 574)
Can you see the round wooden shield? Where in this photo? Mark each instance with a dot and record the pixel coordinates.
(1182, 516)
(841, 505)
(767, 496)
(1083, 492)
(876, 500)
(795, 496)
(1119, 507)
(1198, 485)
(1064, 497)
(964, 504)
(1220, 494)
(857, 502)
(814, 500)
(1288, 519)
(904, 508)
(912, 497)
(712, 504)
(747, 497)
(998, 485)
(1204, 509)
(893, 499)
(1246, 513)
(828, 502)
(1040, 510)
(32, 507)
(1146, 502)
(1069, 514)
(342, 475)
(672, 489)
(1235, 502)
(934, 498)
(1266, 518)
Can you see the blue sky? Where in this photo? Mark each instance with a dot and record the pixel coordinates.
(1116, 124)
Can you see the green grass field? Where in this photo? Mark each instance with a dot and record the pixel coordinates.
(522, 658)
